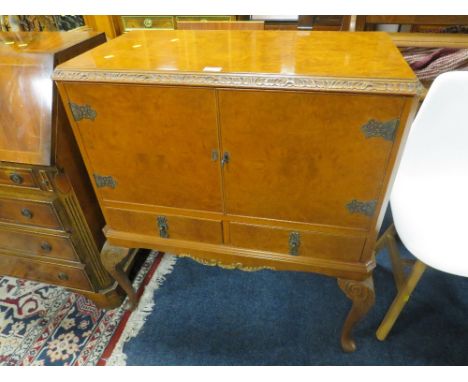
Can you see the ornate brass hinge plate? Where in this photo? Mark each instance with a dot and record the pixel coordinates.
(360, 207)
(163, 226)
(104, 181)
(82, 112)
(294, 243)
(377, 129)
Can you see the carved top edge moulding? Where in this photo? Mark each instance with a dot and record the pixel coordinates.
(242, 80)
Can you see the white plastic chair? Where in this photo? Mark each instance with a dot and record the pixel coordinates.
(429, 198)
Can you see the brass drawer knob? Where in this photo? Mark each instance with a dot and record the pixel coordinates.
(26, 212)
(16, 178)
(63, 276)
(148, 23)
(46, 247)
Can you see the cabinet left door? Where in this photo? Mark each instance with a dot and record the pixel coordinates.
(149, 145)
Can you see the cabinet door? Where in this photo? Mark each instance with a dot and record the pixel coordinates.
(149, 145)
(305, 156)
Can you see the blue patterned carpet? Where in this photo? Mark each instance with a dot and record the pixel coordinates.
(210, 316)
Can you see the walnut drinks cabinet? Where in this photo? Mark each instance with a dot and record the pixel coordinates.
(245, 149)
(50, 221)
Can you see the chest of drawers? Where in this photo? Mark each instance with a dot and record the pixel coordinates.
(246, 149)
(50, 222)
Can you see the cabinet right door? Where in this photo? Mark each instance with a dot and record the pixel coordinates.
(307, 157)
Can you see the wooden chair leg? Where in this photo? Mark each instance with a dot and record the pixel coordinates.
(398, 264)
(395, 259)
(400, 300)
(382, 241)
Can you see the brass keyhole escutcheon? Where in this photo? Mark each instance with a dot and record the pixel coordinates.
(225, 159)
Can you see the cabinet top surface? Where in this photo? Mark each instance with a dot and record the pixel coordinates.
(19, 43)
(278, 59)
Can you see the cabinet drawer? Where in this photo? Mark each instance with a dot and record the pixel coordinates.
(49, 273)
(17, 177)
(147, 22)
(309, 243)
(205, 18)
(42, 246)
(167, 226)
(30, 212)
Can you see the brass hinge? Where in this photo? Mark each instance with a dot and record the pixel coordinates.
(360, 207)
(82, 112)
(294, 243)
(104, 181)
(385, 130)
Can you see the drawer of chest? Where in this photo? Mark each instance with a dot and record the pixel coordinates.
(297, 242)
(17, 177)
(165, 226)
(40, 245)
(147, 22)
(49, 273)
(36, 213)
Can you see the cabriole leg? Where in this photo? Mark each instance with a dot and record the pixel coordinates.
(113, 259)
(362, 294)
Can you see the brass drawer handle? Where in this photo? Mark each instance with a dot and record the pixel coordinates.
(16, 178)
(163, 226)
(63, 276)
(294, 243)
(46, 247)
(26, 212)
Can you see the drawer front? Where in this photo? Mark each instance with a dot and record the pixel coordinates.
(42, 246)
(205, 18)
(147, 22)
(17, 178)
(41, 214)
(166, 226)
(49, 273)
(297, 242)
